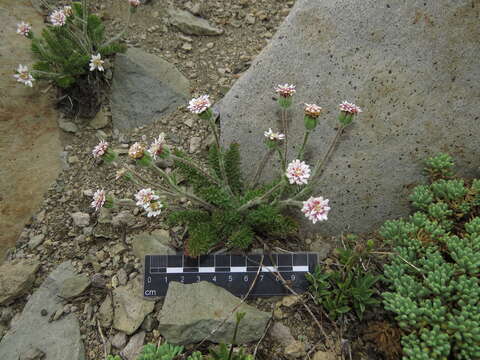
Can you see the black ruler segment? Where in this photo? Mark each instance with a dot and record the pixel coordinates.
(235, 273)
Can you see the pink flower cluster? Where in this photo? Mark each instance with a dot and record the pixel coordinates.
(199, 105)
(58, 18)
(274, 136)
(158, 145)
(147, 199)
(23, 29)
(316, 209)
(298, 172)
(350, 108)
(98, 199)
(134, 3)
(312, 110)
(285, 90)
(100, 149)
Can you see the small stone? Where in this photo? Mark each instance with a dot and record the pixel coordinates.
(105, 313)
(16, 278)
(125, 217)
(119, 340)
(321, 247)
(187, 46)
(134, 346)
(130, 307)
(290, 300)
(105, 216)
(67, 126)
(281, 334)
(36, 240)
(44, 312)
(33, 354)
(149, 323)
(73, 159)
(191, 25)
(323, 355)
(122, 276)
(195, 144)
(250, 19)
(80, 219)
(194, 8)
(100, 120)
(295, 350)
(189, 122)
(74, 286)
(210, 45)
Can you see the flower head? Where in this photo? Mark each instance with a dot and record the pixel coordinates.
(316, 209)
(158, 146)
(134, 3)
(136, 151)
(154, 208)
(98, 199)
(68, 10)
(350, 108)
(312, 110)
(199, 105)
(298, 172)
(145, 196)
(274, 136)
(24, 76)
(285, 90)
(58, 18)
(23, 29)
(100, 149)
(96, 63)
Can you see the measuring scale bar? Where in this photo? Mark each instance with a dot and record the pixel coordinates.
(235, 273)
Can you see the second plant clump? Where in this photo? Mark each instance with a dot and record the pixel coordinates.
(434, 273)
(222, 209)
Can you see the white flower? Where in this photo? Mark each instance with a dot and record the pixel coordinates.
(154, 208)
(98, 199)
(96, 63)
(316, 209)
(298, 172)
(199, 105)
(349, 108)
(100, 149)
(58, 18)
(312, 110)
(274, 136)
(145, 196)
(24, 76)
(23, 29)
(68, 10)
(136, 151)
(134, 3)
(156, 148)
(285, 90)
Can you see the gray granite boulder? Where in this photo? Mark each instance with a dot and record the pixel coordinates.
(145, 87)
(56, 339)
(192, 312)
(412, 67)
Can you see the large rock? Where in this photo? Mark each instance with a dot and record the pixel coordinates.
(34, 331)
(412, 67)
(191, 312)
(16, 278)
(145, 87)
(130, 307)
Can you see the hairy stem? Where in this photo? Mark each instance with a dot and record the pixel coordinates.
(285, 131)
(319, 166)
(261, 199)
(302, 149)
(221, 160)
(196, 167)
(282, 159)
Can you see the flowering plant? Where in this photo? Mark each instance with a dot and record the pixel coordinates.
(71, 50)
(220, 209)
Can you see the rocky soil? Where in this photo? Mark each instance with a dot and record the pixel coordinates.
(102, 252)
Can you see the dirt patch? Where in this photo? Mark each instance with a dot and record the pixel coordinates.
(29, 138)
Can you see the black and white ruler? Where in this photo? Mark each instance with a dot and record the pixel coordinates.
(235, 273)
